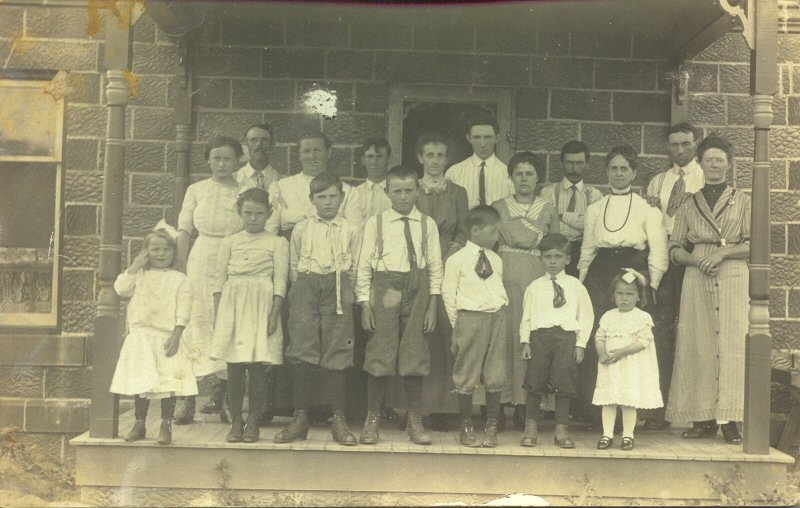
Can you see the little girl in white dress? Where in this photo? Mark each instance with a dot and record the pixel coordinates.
(152, 363)
(627, 373)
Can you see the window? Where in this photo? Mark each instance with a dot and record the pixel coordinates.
(31, 142)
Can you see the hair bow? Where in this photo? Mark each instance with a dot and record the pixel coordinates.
(632, 275)
(171, 231)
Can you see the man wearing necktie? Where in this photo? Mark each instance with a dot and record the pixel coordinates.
(375, 154)
(258, 172)
(667, 191)
(483, 175)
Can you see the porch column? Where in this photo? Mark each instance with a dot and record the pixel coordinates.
(182, 106)
(758, 349)
(104, 411)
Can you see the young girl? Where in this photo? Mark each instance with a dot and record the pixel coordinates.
(627, 374)
(152, 364)
(249, 287)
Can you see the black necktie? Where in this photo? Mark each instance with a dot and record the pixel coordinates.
(483, 268)
(558, 297)
(412, 254)
(482, 184)
(572, 198)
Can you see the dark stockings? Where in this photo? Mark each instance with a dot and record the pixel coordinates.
(256, 372)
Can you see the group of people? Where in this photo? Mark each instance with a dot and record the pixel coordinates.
(468, 286)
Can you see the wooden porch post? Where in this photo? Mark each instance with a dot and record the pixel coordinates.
(182, 106)
(104, 411)
(763, 85)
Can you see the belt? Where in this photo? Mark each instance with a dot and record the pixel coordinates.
(506, 248)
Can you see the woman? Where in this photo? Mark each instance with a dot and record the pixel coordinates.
(446, 203)
(711, 238)
(621, 231)
(524, 220)
(209, 207)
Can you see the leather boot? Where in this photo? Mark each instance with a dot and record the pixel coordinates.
(531, 434)
(341, 433)
(371, 431)
(730, 431)
(236, 433)
(214, 404)
(701, 430)
(251, 433)
(467, 437)
(416, 432)
(165, 434)
(186, 414)
(561, 438)
(490, 433)
(296, 431)
(138, 431)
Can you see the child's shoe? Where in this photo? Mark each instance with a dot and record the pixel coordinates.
(416, 432)
(236, 433)
(251, 433)
(341, 433)
(605, 443)
(562, 438)
(371, 431)
(531, 434)
(186, 414)
(490, 435)
(519, 416)
(627, 443)
(296, 431)
(138, 431)
(467, 437)
(165, 434)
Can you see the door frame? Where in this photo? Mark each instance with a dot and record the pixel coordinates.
(503, 97)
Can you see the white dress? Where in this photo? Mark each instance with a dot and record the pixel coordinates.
(160, 301)
(251, 269)
(633, 380)
(210, 208)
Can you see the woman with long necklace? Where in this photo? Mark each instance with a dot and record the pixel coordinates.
(621, 231)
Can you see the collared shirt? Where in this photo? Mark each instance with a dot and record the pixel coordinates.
(373, 197)
(291, 204)
(661, 187)
(324, 246)
(576, 315)
(464, 289)
(467, 174)
(625, 220)
(246, 176)
(395, 253)
(559, 194)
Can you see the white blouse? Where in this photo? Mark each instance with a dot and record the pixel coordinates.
(160, 299)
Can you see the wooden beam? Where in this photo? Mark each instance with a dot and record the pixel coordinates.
(690, 45)
(758, 343)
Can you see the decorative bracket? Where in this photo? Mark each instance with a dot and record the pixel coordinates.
(746, 17)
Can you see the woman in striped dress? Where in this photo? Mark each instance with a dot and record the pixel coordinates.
(711, 238)
(524, 219)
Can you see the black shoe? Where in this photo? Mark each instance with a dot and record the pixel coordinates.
(730, 431)
(341, 433)
(165, 433)
(237, 430)
(371, 430)
(467, 436)
(251, 432)
(701, 430)
(627, 444)
(138, 431)
(490, 433)
(214, 405)
(186, 414)
(296, 431)
(605, 443)
(561, 438)
(531, 434)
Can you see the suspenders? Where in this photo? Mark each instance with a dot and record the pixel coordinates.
(379, 236)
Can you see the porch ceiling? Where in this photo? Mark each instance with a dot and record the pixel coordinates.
(689, 25)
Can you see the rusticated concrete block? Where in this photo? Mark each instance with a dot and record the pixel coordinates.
(12, 411)
(80, 220)
(647, 46)
(293, 63)
(423, 67)
(794, 110)
(655, 139)
(153, 124)
(80, 251)
(785, 269)
(139, 220)
(18, 381)
(508, 40)
(83, 87)
(209, 92)
(730, 47)
(777, 302)
(73, 383)
(500, 70)
(353, 128)
(254, 32)
(625, 75)
(552, 43)
(580, 105)
(229, 61)
(348, 64)
(144, 156)
(57, 23)
(145, 30)
(785, 206)
(562, 72)
(453, 34)
(152, 189)
(154, 58)
(288, 127)
(78, 285)
(11, 21)
(317, 33)
(532, 102)
(252, 94)
(544, 134)
(734, 79)
(78, 316)
(57, 415)
(777, 239)
(385, 35)
(783, 142)
(341, 163)
(785, 334)
(702, 77)
(83, 186)
(744, 174)
(794, 175)
(602, 45)
(648, 168)
(602, 137)
(81, 155)
(223, 124)
(707, 109)
(641, 107)
(39, 350)
(86, 120)
(49, 54)
(788, 47)
(794, 303)
(345, 100)
(371, 98)
(151, 91)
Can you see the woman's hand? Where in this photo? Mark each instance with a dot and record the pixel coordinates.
(709, 265)
(139, 262)
(613, 356)
(526, 351)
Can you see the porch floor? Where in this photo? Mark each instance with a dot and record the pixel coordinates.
(661, 467)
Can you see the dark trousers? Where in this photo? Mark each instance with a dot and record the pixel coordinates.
(575, 256)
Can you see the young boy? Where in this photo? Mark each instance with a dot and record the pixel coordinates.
(323, 256)
(398, 286)
(557, 319)
(474, 297)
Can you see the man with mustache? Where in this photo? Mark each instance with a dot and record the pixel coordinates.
(258, 172)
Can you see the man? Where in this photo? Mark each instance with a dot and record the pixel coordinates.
(258, 172)
(375, 153)
(571, 197)
(483, 175)
(289, 196)
(667, 191)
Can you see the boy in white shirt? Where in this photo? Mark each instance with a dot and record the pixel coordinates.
(475, 300)
(557, 319)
